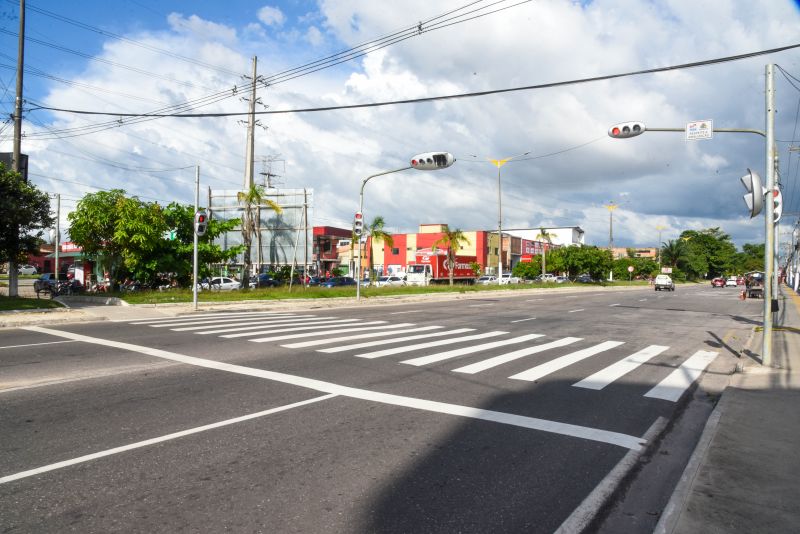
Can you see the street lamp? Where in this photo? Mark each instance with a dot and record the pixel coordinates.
(429, 161)
(658, 245)
(499, 163)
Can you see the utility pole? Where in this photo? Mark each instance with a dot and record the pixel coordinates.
(58, 232)
(611, 207)
(251, 126)
(13, 288)
(769, 221)
(194, 234)
(658, 247)
(305, 245)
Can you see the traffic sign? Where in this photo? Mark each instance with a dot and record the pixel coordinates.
(699, 130)
(630, 268)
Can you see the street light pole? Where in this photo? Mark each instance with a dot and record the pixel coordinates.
(658, 245)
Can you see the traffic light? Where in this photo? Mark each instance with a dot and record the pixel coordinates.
(624, 130)
(431, 161)
(777, 203)
(200, 222)
(358, 223)
(754, 198)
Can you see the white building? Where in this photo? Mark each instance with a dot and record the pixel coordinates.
(567, 236)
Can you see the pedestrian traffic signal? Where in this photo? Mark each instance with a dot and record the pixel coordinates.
(754, 198)
(431, 161)
(200, 222)
(777, 204)
(626, 129)
(358, 223)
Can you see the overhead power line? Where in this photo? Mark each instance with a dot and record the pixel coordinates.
(550, 85)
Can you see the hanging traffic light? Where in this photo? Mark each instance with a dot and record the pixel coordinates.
(754, 198)
(431, 161)
(777, 204)
(624, 130)
(358, 223)
(200, 222)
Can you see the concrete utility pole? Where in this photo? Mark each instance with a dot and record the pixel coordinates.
(769, 221)
(251, 126)
(660, 227)
(194, 234)
(58, 232)
(13, 289)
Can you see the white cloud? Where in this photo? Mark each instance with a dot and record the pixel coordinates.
(271, 16)
(314, 36)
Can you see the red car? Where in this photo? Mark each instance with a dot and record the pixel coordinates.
(718, 282)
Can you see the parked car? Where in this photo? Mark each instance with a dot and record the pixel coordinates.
(731, 281)
(338, 281)
(316, 280)
(663, 281)
(584, 279)
(561, 279)
(509, 278)
(385, 281)
(264, 280)
(547, 277)
(486, 280)
(223, 283)
(718, 282)
(27, 269)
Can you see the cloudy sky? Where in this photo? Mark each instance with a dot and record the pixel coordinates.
(138, 56)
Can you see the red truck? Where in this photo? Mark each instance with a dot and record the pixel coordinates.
(432, 267)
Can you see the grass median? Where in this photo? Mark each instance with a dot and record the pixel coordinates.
(27, 304)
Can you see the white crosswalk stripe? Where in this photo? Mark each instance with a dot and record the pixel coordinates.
(409, 348)
(271, 324)
(202, 316)
(326, 332)
(295, 329)
(433, 358)
(511, 356)
(395, 340)
(679, 380)
(604, 377)
(545, 369)
(328, 341)
(299, 319)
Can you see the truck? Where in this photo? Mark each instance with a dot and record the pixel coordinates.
(432, 267)
(754, 285)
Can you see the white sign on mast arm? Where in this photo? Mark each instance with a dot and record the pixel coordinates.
(699, 130)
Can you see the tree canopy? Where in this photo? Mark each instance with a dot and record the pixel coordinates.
(25, 214)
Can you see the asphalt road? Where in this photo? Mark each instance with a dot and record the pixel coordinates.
(501, 414)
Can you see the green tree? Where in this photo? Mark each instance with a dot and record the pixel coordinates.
(751, 258)
(376, 233)
(544, 234)
(673, 252)
(452, 241)
(251, 200)
(592, 260)
(528, 269)
(25, 214)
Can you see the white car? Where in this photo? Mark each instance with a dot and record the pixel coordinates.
(664, 282)
(547, 277)
(385, 281)
(223, 283)
(486, 280)
(730, 281)
(561, 279)
(509, 279)
(27, 269)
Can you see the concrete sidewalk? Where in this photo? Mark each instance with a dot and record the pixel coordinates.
(744, 475)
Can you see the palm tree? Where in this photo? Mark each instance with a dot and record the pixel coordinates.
(673, 251)
(251, 200)
(377, 233)
(452, 240)
(547, 236)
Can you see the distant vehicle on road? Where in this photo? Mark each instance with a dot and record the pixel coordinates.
(509, 278)
(486, 280)
(264, 280)
(547, 277)
(338, 281)
(718, 282)
(740, 280)
(584, 279)
(27, 269)
(561, 279)
(754, 284)
(664, 282)
(731, 281)
(223, 283)
(385, 281)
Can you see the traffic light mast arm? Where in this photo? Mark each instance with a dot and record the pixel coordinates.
(715, 130)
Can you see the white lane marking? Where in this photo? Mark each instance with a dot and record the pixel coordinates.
(317, 342)
(642, 300)
(578, 310)
(523, 320)
(570, 296)
(679, 380)
(299, 319)
(511, 356)
(612, 305)
(535, 373)
(161, 439)
(604, 377)
(409, 311)
(37, 344)
(336, 330)
(395, 340)
(214, 321)
(534, 300)
(198, 316)
(270, 324)
(433, 358)
(479, 305)
(439, 343)
(296, 329)
(594, 434)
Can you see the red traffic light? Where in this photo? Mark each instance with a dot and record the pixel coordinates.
(201, 218)
(432, 160)
(626, 129)
(358, 216)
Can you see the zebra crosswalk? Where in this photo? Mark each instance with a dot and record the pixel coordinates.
(375, 338)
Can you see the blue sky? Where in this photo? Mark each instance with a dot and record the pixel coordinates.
(573, 170)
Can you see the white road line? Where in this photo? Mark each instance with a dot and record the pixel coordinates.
(565, 429)
(612, 305)
(296, 329)
(259, 326)
(534, 300)
(433, 358)
(394, 340)
(679, 380)
(439, 343)
(299, 319)
(214, 321)
(337, 330)
(535, 373)
(642, 300)
(570, 296)
(479, 305)
(161, 439)
(604, 377)
(37, 344)
(523, 320)
(317, 342)
(409, 311)
(198, 316)
(578, 310)
(511, 356)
